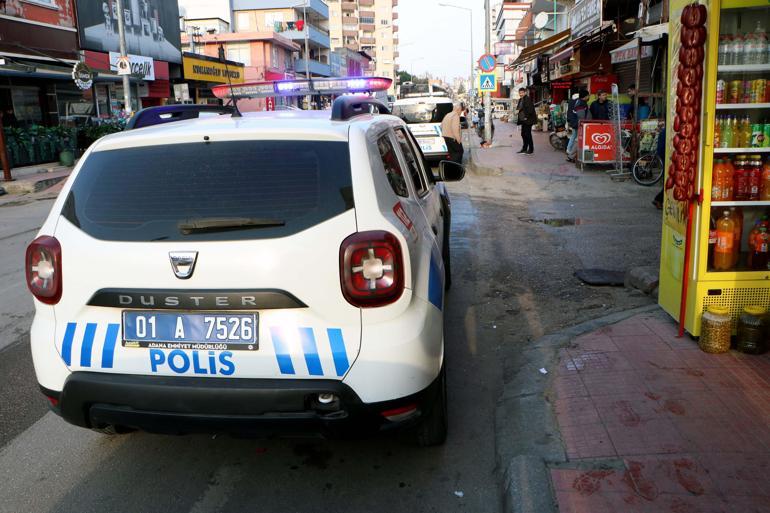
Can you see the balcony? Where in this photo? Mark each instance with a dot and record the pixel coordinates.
(352, 46)
(366, 3)
(350, 20)
(367, 27)
(395, 15)
(316, 7)
(395, 3)
(348, 6)
(316, 68)
(368, 41)
(395, 28)
(395, 54)
(366, 14)
(316, 36)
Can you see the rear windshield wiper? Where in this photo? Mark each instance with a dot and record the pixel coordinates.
(223, 224)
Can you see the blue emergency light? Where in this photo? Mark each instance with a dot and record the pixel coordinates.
(303, 87)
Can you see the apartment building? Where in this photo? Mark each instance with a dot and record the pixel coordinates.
(370, 26)
(293, 20)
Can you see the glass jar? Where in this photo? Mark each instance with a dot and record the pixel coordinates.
(751, 330)
(715, 331)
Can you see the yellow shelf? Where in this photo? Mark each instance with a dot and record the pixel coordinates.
(741, 106)
(741, 150)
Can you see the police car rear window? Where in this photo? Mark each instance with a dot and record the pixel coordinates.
(152, 193)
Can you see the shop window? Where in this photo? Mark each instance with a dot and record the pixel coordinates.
(26, 105)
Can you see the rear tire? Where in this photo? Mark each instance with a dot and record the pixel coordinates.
(433, 428)
(557, 142)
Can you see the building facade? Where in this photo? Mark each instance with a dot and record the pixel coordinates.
(370, 26)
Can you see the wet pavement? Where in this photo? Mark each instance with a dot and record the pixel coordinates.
(650, 423)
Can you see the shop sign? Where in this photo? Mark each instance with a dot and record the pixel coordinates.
(629, 54)
(124, 66)
(142, 67)
(598, 142)
(585, 17)
(82, 75)
(503, 48)
(211, 71)
(561, 85)
(270, 103)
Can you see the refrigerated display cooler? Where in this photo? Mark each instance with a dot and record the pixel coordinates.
(717, 160)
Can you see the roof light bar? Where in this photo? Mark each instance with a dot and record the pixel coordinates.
(303, 87)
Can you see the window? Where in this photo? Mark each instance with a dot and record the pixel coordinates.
(412, 162)
(383, 22)
(367, 20)
(302, 183)
(273, 18)
(275, 57)
(243, 21)
(239, 52)
(392, 167)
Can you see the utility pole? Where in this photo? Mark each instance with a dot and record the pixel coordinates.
(487, 97)
(123, 53)
(307, 53)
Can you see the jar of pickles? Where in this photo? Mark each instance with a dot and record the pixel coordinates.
(751, 330)
(715, 331)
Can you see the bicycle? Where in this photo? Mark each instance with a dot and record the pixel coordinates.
(648, 168)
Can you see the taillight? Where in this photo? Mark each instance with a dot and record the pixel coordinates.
(371, 269)
(43, 268)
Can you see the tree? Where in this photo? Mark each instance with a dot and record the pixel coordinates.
(404, 76)
(461, 89)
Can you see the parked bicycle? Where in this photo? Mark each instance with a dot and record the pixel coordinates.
(648, 168)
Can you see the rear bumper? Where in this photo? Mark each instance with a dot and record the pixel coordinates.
(178, 405)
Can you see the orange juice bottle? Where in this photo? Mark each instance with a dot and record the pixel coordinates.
(736, 215)
(723, 251)
(764, 191)
(717, 180)
(728, 193)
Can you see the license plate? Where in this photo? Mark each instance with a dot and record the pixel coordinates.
(169, 330)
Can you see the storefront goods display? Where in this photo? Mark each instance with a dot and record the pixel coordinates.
(751, 332)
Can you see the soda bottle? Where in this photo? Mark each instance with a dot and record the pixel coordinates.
(746, 132)
(736, 214)
(728, 193)
(766, 142)
(717, 180)
(755, 177)
(750, 243)
(757, 135)
(727, 134)
(764, 190)
(760, 259)
(723, 250)
(718, 132)
(740, 180)
(721, 86)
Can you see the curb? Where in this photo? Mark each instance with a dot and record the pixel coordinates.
(527, 435)
(479, 170)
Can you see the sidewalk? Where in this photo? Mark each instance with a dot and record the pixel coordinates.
(37, 178)
(650, 423)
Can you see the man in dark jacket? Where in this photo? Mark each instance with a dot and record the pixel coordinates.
(600, 108)
(526, 118)
(577, 112)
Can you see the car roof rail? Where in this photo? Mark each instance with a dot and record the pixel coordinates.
(346, 107)
(151, 116)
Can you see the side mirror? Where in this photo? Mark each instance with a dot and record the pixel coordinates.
(450, 171)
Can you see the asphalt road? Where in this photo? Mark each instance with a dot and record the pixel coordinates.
(512, 283)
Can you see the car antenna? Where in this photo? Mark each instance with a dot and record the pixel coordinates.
(233, 99)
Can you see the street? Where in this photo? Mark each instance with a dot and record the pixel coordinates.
(519, 233)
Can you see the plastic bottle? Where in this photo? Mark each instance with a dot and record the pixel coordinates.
(723, 50)
(738, 56)
(736, 214)
(749, 49)
(718, 132)
(760, 44)
(723, 251)
(764, 191)
(746, 132)
(766, 142)
(712, 239)
(727, 133)
(740, 180)
(728, 192)
(750, 243)
(757, 135)
(755, 178)
(760, 255)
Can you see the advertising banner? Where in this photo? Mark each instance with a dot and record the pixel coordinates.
(152, 27)
(585, 17)
(205, 70)
(140, 66)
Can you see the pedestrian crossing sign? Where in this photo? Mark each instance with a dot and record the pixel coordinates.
(487, 82)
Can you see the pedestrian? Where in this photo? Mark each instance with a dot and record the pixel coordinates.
(576, 112)
(450, 129)
(475, 118)
(644, 109)
(600, 108)
(526, 118)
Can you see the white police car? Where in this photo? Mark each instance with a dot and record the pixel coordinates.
(247, 273)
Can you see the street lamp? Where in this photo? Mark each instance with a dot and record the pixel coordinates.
(470, 13)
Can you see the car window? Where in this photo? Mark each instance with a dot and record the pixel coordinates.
(299, 183)
(392, 166)
(423, 112)
(412, 162)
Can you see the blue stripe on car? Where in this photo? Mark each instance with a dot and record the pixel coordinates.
(307, 338)
(337, 344)
(88, 342)
(69, 337)
(281, 351)
(108, 352)
(435, 284)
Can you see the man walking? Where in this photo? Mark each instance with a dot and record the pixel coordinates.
(450, 129)
(576, 112)
(600, 108)
(526, 118)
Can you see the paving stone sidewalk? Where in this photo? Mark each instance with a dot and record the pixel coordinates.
(652, 424)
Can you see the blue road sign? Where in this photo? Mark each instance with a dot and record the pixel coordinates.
(487, 82)
(487, 62)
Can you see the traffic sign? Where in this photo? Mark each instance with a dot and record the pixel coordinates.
(487, 62)
(487, 82)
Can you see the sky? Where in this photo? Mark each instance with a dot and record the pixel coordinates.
(435, 39)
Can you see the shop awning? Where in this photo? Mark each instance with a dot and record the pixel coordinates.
(563, 54)
(543, 46)
(627, 52)
(651, 33)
